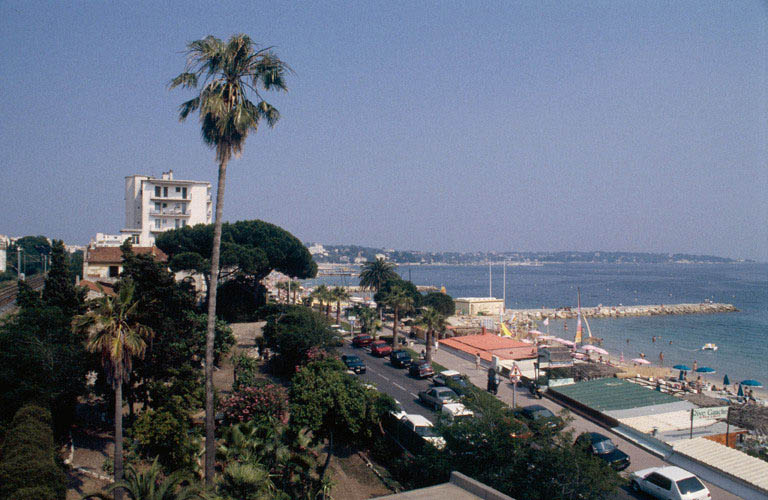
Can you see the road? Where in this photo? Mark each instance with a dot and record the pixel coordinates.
(397, 383)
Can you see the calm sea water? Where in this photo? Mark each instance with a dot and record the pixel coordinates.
(742, 337)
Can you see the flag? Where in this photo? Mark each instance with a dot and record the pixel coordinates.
(505, 331)
(546, 322)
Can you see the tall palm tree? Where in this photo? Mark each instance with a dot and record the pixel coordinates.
(231, 73)
(375, 273)
(113, 331)
(339, 294)
(369, 321)
(434, 322)
(400, 301)
(295, 285)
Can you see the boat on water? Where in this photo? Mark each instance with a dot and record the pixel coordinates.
(709, 347)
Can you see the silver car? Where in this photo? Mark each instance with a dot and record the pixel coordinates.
(670, 482)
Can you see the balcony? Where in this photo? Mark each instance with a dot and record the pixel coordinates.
(170, 197)
(169, 212)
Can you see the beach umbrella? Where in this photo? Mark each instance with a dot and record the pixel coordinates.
(726, 380)
(741, 391)
(595, 349)
(641, 361)
(563, 341)
(682, 368)
(751, 383)
(705, 369)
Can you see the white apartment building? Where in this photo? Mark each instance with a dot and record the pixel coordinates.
(155, 205)
(4, 244)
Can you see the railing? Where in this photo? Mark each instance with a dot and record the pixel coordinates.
(169, 212)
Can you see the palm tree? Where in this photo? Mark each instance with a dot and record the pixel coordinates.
(400, 301)
(114, 332)
(433, 321)
(282, 286)
(150, 485)
(369, 322)
(295, 285)
(375, 274)
(339, 294)
(320, 294)
(230, 73)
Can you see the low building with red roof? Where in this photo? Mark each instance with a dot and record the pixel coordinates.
(106, 263)
(507, 351)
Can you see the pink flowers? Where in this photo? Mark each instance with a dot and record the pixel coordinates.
(251, 403)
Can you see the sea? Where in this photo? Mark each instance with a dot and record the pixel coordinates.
(741, 337)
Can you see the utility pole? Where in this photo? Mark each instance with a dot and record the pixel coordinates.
(490, 281)
(18, 263)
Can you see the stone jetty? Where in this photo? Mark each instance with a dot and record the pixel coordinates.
(621, 311)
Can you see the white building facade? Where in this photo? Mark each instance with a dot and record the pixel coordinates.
(4, 244)
(154, 205)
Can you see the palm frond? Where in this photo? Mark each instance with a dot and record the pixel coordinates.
(184, 80)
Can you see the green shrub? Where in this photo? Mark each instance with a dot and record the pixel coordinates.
(29, 458)
(166, 436)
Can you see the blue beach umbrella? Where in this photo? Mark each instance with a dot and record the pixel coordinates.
(741, 391)
(751, 383)
(705, 369)
(726, 380)
(682, 368)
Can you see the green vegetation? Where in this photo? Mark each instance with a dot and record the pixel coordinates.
(440, 302)
(434, 323)
(297, 336)
(263, 401)
(28, 468)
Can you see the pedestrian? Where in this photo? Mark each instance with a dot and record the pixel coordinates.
(642, 355)
(477, 361)
(627, 341)
(661, 358)
(695, 365)
(653, 339)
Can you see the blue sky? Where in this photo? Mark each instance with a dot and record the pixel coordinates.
(634, 126)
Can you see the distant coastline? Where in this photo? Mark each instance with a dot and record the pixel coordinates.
(351, 255)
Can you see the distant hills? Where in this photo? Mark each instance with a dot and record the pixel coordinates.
(352, 254)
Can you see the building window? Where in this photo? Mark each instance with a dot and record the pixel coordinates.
(158, 223)
(157, 206)
(165, 192)
(177, 223)
(183, 223)
(183, 208)
(184, 193)
(178, 189)
(157, 191)
(135, 239)
(114, 271)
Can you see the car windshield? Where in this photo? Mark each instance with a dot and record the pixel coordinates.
(542, 413)
(447, 395)
(353, 359)
(690, 485)
(424, 431)
(605, 446)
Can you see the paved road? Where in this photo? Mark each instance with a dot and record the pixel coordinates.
(397, 383)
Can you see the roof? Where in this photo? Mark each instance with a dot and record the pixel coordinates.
(106, 288)
(728, 460)
(113, 255)
(418, 420)
(676, 425)
(489, 345)
(672, 472)
(460, 487)
(477, 299)
(607, 394)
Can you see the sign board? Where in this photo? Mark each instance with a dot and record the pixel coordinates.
(712, 413)
(352, 318)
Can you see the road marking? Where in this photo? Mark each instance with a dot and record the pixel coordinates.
(399, 386)
(382, 376)
(414, 395)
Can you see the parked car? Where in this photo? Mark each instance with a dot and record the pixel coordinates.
(354, 363)
(400, 358)
(541, 419)
(603, 448)
(420, 369)
(421, 429)
(456, 411)
(437, 396)
(362, 341)
(669, 482)
(380, 348)
(451, 378)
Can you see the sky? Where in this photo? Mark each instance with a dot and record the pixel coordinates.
(435, 126)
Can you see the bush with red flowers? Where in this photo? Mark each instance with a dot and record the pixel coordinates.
(254, 403)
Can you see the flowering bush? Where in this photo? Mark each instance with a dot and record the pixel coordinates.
(252, 403)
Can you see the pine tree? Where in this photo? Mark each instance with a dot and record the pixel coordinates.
(59, 290)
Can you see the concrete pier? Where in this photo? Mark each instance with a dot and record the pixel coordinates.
(622, 311)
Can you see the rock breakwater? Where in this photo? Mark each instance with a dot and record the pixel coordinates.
(622, 311)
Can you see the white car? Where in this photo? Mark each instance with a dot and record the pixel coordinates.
(670, 482)
(455, 411)
(422, 427)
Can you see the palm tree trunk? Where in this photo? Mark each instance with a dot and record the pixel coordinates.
(210, 424)
(428, 354)
(118, 437)
(394, 330)
(294, 294)
(338, 311)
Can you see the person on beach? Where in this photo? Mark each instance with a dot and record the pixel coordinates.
(661, 358)
(695, 365)
(653, 339)
(477, 361)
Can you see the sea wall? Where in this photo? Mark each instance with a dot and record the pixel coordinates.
(622, 311)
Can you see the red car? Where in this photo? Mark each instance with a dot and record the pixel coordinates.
(380, 349)
(362, 341)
